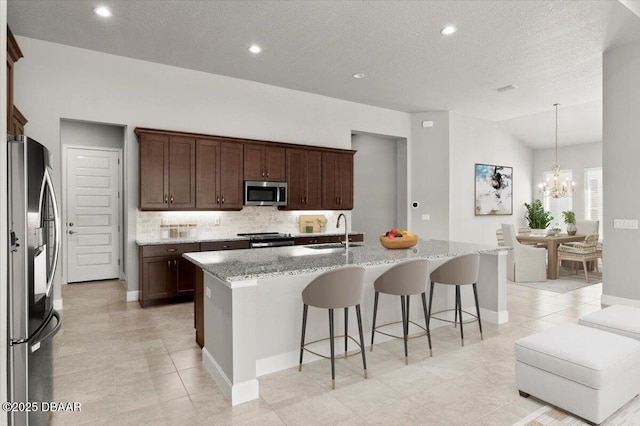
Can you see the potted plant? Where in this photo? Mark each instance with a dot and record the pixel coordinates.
(537, 216)
(570, 220)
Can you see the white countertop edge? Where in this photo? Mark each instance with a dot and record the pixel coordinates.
(234, 284)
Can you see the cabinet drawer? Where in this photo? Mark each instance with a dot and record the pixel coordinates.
(301, 241)
(225, 245)
(169, 249)
(352, 238)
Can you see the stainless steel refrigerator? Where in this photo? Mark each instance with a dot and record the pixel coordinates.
(34, 230)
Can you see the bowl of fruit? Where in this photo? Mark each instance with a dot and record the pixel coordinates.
(398, 239)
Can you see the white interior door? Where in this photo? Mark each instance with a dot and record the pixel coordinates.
(92, 214)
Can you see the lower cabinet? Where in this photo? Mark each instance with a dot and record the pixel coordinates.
(165, 276)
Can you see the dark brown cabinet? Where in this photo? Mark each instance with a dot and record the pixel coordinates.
(164, 275)
(167, 172)
(337, 181)
(15, 120)
(324, 239)
(264, 162)
(304, 171)
(219, 167)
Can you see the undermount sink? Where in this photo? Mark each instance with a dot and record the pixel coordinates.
(331, 246)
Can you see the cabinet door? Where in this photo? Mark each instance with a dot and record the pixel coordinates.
(231, 165)
(296, 178)
(254, 168)
(207, 174)
(185, 276)
(314, 180)
(345, 200)
(275, 161)
(182, 172)
(330, 181)
(157, 277)
(154, 172)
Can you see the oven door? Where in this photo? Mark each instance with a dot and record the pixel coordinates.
(265, 193)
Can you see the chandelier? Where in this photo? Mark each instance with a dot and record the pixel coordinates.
(557, 189)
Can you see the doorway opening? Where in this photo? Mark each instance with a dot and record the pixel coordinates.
(380, 184)
(92, 201)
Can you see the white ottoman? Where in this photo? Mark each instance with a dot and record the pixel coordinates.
(618, 319)
(588, 372)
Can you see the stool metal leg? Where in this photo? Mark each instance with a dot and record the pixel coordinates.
(375, 312)
(430, 309)
(346, 330)
(304, 328)
(364, 360)
(459, 302)
(333, 369)
(475, 295)
(404, 329)
(426, 320)
(455, 320)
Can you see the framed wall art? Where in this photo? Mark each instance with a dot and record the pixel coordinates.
(493, 190)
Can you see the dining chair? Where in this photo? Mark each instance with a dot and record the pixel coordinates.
(580, 252)
(524, 263)
(587, 227)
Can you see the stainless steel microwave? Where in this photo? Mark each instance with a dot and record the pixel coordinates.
(265, 193)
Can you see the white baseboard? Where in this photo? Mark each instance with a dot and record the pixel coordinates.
(132, 296)
(235, 393)
(605, 299)
(494, 317)
(57, 304)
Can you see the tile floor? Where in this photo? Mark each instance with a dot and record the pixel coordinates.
(133, 366)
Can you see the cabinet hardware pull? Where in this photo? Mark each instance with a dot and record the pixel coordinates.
(301, 200)
(169, 264)
(218, 199)
(225, 246)
(172, 249)
(223, 199)
(267, 173)
(175, 263)
(171, 198)
(262, 172)
(166, 199)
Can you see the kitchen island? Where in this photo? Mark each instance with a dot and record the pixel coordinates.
(253, 305)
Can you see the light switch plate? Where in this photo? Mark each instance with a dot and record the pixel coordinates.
(216, 221)
(207, 292)
(625, 224)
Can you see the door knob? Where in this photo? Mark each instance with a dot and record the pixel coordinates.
(71, 232)
(70, 223)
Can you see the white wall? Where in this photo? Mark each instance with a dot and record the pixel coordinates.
(575, 158)
(375, 185)
(475, 140)
(3, 212)
(621, 174)
(56, 81)
(428, 184)
(82, 133)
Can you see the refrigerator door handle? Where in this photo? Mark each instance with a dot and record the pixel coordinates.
(36, 345)
(57, 227)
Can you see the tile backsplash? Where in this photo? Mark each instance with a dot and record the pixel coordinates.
(227, 224)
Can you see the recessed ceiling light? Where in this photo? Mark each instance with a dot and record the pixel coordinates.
(359, 75)
(103, 11)
(255, 49)
(448, 30)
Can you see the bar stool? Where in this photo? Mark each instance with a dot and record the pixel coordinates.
(405, 279)
(461, 270)
(335, 289)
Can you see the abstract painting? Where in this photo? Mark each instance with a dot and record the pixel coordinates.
(493, 190)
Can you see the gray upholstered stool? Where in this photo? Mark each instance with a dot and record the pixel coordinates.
(335, 289)
(461, 270)
(405, 279)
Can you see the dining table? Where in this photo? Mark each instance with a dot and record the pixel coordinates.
(552, 242)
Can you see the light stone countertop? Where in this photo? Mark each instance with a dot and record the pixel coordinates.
(241, 265)
(160, 241)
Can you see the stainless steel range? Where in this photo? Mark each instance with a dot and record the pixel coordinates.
(268, 239)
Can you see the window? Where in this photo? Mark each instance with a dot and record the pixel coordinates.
(557, 205)
(593, 195)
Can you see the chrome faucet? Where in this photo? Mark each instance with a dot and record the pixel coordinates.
(346, 231)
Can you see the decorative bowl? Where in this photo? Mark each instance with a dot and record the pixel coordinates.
(399, 243)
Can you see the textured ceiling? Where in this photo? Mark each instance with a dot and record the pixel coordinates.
(551, 50)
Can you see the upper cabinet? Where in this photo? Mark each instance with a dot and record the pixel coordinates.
(15, 120)
(186, 171)
(304, 175)
(264, 162)
(219, 175)
(167, 172)
(337, 181)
